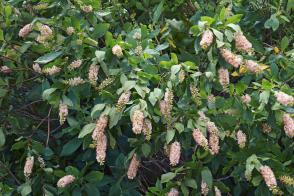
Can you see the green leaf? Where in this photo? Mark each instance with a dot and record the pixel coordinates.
(25, 189)
(146, 149)
(157, 12)
(167, 177)
(87, 129)
(207, 19)
(70, 147)
(191, 183)
(284, 43)
(207, 176)
(170, 135)
(156, 95)
(195, 30)
(218, 34)
(3, 92)
(101, 29)
(46, 94)
(96, 108)
(180, 127)
(94, 176)
(48, 57)
(1, 35)
(234, 19)
(2, 137)
(100, 55)
(266, 85)
(272, 22)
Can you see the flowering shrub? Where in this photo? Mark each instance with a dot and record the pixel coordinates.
(146, 97)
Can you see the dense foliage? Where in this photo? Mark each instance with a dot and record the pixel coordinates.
(177, 97)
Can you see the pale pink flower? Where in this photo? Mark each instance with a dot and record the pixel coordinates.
(41, 162)
(5, 69)
(138, 50)
(266, 128)
(284, 98)
(213, 141)
(101, 147)
(167, 103)
(45, 31)
(133, 167)
(173, 192)
(52, 70)
(28, 168)
(200, 139)
(202, 116)
(70, 30)
(123, 100)
(87, 8)
(211, 98)
(288, 125)
(241, 138)
(252, 66)
(137, 35)
(117, 51)
(175, 153)
(75, 64)
(268, 176)
(63, 112)
(242, 43)
(101, 124)
(37, 68)
(224, 77)
(65, 180)
(246, 99)
(147, 129)
(231, 58)
(217, 191)
(93, 73)
(76, 81)
(204, 188)
(23, 32)
(207, 39)
(211, 127)
(137, 121)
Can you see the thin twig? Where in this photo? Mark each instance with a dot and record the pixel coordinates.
(48, 129)
(10, 172)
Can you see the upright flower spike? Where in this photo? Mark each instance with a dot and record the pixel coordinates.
(284, 98)
(288, 125)
(147, 129)
(37, 68)
(70, 30)
(123, 100)
(287, 180)
(101, 124)
(242, 44)
(100, 139)
(269, 177)
(133, 167)
(173, 192)
(23, 32)
(207, 39)
(231, 58)
(75, 64)
(52, 70)
(252, 66)
(76, 81)
(241, 138)
(246, 99)
(28, 168)
(224, 77)
(137, 121)
(65, 180)
(117, 51)
(93, 74)
(204, 188)
(175, 153)
(217, 191)
(63, 112)
(200, 138)
(213, 141)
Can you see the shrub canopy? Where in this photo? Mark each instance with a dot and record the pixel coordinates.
(146, 97)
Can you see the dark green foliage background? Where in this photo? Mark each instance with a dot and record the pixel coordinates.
(170, 36)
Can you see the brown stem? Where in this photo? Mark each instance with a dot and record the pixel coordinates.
(48, 129)
(10, 172)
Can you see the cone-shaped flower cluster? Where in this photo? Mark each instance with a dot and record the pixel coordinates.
(75, 64)
(252, 66)
(241, 138)
(268, 177)
(23, 32)
(167, 104)
(173, 192)
(224, 77)
(70, 30)
(284, 98)
(28, 168)
(207, 39)
(63, 112)
(133, 167)
(37, 68)
(242, 44)
(65, 180)
(117, 51)
(100, 139)
(200, 139)
(93, 73)
(52, 70)
(174, 153)
(288, 125)
(76, 81)
(147, 129)
(123, 100)
(246, 99)
(137, 121)
(213, 139)
(231, 58)
(217, 191)
(204, 188)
